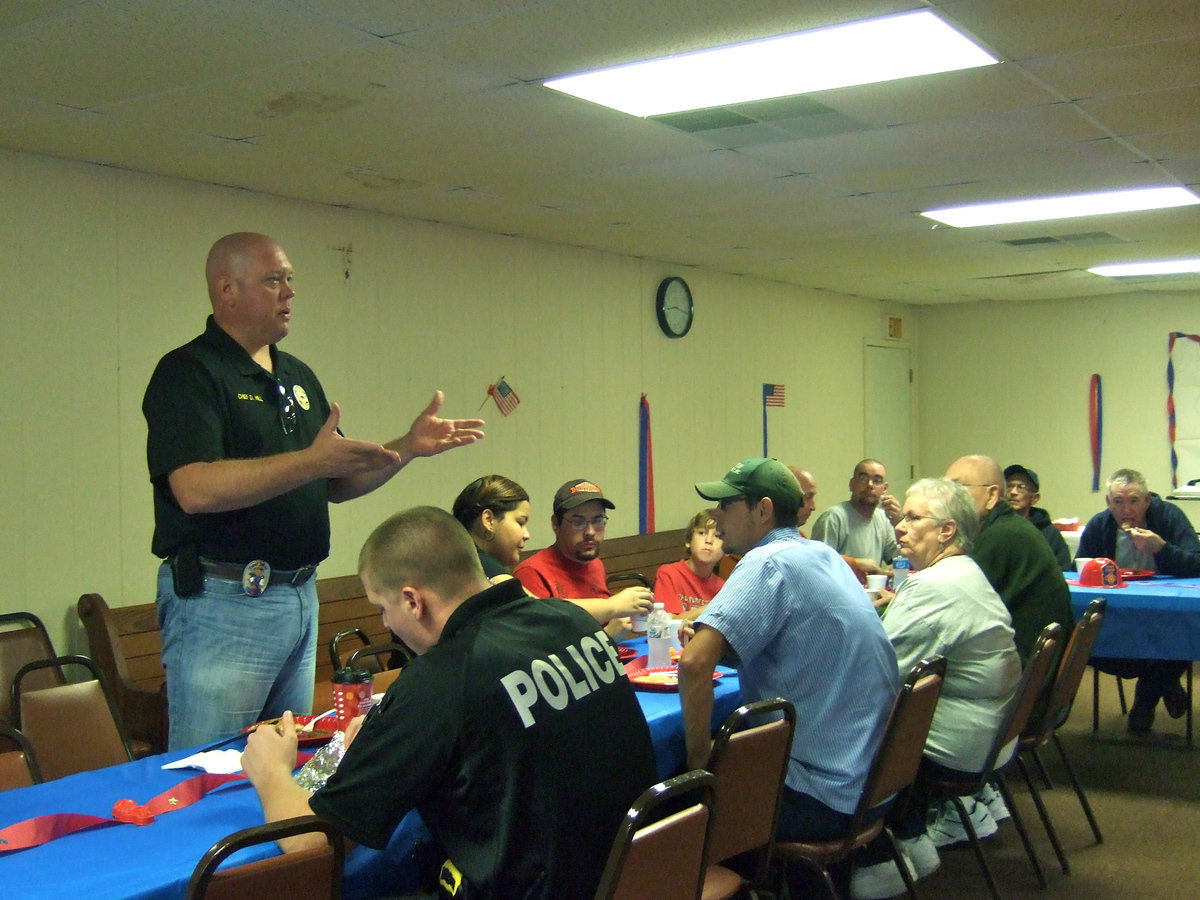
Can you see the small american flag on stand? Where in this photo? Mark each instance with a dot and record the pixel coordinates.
(506, 398)
(773, 395)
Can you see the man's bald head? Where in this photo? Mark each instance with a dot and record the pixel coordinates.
(808, 485)
(230, 255)
(983, 479)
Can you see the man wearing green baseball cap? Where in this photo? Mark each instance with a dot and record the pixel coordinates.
(798, 625)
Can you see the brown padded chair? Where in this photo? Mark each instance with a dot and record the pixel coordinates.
(893, 771)
(1061, 694)
(750, 765)
(1039, 671)
(311, 874)
(72, 727)
(23, 639)
(663, 859)
(18, 765)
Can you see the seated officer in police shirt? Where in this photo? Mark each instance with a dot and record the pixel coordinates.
(514, 732)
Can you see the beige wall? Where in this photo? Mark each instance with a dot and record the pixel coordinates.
(101, 273)
(1011, 380)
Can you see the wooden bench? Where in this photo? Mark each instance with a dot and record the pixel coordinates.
(126, 643)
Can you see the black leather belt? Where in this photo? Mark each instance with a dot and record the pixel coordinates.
(236, 572)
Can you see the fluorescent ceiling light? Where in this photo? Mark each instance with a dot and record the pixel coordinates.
(859, 53)
(1100, 204)
(1162, 267)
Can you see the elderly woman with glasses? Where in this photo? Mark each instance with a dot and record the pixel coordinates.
(946, 607)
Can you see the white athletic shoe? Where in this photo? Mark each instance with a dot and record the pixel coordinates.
(880, 881)
(992, 799)
(947, 830)
(921, 852)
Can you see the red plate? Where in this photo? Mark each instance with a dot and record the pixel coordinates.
(315, 736)
(1137, 574)
(662, 678)
(625, 654)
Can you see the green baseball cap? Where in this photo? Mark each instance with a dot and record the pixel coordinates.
(754, 477)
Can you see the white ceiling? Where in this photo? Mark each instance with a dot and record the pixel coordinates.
(434, 110)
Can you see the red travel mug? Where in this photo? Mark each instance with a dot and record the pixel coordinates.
(351, 695)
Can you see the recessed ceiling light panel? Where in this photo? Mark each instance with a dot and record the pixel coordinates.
(885, 49)
(1044, 208)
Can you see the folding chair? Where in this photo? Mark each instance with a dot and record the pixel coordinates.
(663, 859)
(1037, 674)
(1061, 694)
(18, 765)
(893, 771)
(311, 874)
(72, 727)
(335, 644)
(23, 639)
(750, 763)
(385, 661)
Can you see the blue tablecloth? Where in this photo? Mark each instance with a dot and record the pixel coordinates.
(1158, 618)
(154, 862)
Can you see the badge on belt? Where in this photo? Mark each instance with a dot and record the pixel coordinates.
(255, 577)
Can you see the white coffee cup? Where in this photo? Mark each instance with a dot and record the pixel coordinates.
(876, 582)
(1081, 561)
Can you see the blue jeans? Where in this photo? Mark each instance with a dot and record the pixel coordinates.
(232, 660)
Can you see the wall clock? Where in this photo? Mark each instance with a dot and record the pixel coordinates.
(674, 307)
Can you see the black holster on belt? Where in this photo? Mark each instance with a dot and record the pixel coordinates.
(185, 571)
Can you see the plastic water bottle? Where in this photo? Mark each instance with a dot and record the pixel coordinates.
(658, 633)
(900, 569)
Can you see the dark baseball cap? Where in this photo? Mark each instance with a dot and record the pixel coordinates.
(1028, 474)
(754, 477)
(577, 492)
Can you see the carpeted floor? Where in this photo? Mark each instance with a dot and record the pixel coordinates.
(1145, 793)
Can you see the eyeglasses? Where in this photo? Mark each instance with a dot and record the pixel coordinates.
(910, 518)
(287, 408)
(863, 478)
(579, 523)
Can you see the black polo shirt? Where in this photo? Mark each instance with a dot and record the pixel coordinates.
(519, 740)
(208, 401)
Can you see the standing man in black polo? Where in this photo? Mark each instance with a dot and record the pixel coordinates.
(245, 454)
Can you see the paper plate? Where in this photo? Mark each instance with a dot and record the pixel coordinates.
(661, 678)
(625, 654)
(1137, 574)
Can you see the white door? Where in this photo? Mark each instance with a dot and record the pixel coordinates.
(887, 381)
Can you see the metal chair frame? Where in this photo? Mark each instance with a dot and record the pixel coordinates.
(750, 763)
(1060, 695)
(893, 772)
(662, 857)
(318, 868)
(1038, 672)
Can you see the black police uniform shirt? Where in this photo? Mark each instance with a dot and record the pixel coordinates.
(519, 740)
(208, 401)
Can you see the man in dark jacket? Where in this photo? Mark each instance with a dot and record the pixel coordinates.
(1021, 487)
(1139, 530)
(1013, 555)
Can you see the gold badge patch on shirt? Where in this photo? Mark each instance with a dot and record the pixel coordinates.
(301, 397)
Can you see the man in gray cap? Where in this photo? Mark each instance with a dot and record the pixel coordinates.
(797, 625)
(1021, 490)
(571, 568)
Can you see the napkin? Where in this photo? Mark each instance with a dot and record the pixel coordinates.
(216, 762)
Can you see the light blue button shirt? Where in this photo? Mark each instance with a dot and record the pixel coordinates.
(803, 629)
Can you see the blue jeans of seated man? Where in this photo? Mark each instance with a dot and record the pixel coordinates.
(232, 660)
